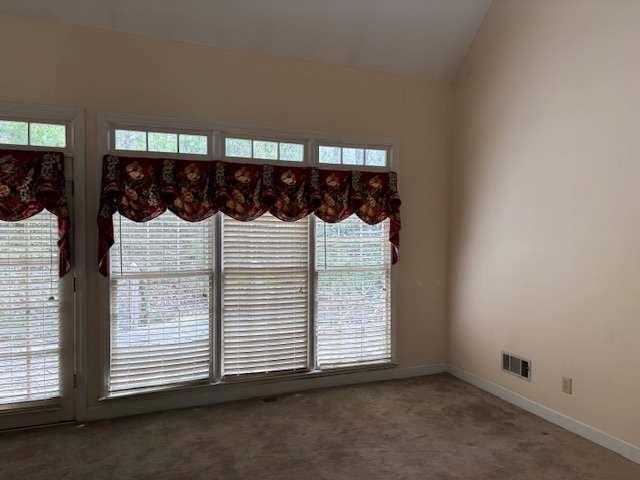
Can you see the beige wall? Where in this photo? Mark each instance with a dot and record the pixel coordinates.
(546, 215)
(105, 71)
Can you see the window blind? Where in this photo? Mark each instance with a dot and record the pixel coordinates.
(265, 307)
(162, 299)
(29, 310)
(353, 303)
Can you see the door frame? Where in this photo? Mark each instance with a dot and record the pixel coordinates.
(71, 308)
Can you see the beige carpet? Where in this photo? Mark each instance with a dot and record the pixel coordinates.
(426, 428)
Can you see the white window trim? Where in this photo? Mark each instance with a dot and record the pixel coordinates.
(101, 404)
(72, 302)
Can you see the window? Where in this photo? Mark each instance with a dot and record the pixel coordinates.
(163, 291)
(29, 310)
(224, 300)
(161, 142)
(265, 312)
(32, 133)
(162, 277)
(335, 155)
(353, 280)
(264, 149)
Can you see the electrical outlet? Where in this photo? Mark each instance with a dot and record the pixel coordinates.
(567, 385)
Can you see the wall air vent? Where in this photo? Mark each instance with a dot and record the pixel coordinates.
(516, 366)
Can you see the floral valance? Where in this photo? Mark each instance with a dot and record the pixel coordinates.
(31, 181)
(143, 188)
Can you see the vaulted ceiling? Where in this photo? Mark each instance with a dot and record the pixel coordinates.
(417, 36)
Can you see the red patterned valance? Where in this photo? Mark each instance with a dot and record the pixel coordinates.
(31, 181)
(143, 188)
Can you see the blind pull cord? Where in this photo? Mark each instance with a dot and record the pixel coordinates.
(51, 297)
(120, 241)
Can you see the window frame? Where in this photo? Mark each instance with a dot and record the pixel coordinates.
(307, 158)
(219, 320)
(162, 129)
(213, 326)
(372, 364)
(61, 408)
(388, 148)
(217, 133)
(40, 116)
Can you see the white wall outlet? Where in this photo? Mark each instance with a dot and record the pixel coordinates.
(567, 385)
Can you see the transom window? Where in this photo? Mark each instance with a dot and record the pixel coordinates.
(264, 149)
(160, 142)
(338, 155)
(36, 134)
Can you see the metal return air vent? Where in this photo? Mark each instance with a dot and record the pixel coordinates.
(516, 366)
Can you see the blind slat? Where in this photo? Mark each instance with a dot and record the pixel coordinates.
(29, 310)
(265, 308)
(161, 302)
(163, 289)
(353, 285)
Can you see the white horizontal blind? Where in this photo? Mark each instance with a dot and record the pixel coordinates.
(162, 275)
(29, 310)
(265, 308)
(353, 301)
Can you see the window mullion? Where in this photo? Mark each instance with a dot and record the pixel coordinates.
(311, 294)
(311, 157)
(217, 317)
(216, 147)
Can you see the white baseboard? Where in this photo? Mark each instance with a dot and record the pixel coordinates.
(621, 447)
